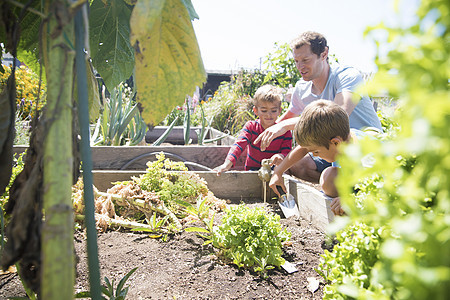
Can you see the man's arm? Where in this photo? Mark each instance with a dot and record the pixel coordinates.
(267, 136)
(287, 115)
(345, 100)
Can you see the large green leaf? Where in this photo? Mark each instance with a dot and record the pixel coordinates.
(192, 13)
(168, 61)
(111, 52)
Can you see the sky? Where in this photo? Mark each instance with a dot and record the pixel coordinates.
(236, 34)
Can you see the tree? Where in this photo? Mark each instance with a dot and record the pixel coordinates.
(153, 39)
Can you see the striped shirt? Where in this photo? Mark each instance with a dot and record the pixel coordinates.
(251, 130)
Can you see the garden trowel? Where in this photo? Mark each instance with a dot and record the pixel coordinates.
(287, 203)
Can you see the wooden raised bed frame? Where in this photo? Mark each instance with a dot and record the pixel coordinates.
(234, 185)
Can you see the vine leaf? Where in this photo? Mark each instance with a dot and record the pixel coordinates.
(111, 51)
(168, 60)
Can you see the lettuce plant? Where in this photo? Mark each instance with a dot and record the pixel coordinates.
(250, 237)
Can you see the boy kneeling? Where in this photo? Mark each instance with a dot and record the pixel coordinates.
(322, 128)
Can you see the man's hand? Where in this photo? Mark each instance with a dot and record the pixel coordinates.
(268, 135)
(336, 207)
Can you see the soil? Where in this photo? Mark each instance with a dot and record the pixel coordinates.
(181, 268)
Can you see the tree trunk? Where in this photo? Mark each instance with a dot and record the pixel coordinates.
(57, 233)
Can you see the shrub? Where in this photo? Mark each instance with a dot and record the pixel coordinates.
(27, 88)
(407, 191)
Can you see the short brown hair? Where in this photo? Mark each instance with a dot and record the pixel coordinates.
(268, 93)
(321, 121)
(316, 41)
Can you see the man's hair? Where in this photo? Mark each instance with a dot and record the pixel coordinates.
(321, 121)
(316, 41)
(267, 93)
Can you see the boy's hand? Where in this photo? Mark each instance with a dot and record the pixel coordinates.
(276, 180)
(277, 159)
(336, 207)
(223, 167)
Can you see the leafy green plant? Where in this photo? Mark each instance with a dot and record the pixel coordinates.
(228, 110)
(406, 191)
(156, 226)
(280, 66)
(27, 90)
(119, 293)
(17, 168)
(251, 238)
(201, 211)
(120, 123)
(352, 258)
(22, 126)
(171, 186)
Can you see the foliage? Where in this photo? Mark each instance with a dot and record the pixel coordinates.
(120, 122)
(407, 191)
(157, 202)
(120, 292)
(23, 130)
(351, 260)
(231, 106)
(280, 66)
(182, 66)
(108, 289)
(201, 212)
(177, 115)
(171, 186)
(27, 90)
(251, 238)
(17, 168)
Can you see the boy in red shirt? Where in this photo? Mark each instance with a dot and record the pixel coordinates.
(267, 106)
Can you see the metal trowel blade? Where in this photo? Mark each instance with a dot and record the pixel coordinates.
(287, 204)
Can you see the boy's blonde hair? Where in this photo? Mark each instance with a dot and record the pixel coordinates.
(268, 93)
(321, 121)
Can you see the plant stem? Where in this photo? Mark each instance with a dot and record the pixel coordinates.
(58, 262)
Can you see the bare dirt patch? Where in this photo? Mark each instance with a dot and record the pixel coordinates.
(181, 268)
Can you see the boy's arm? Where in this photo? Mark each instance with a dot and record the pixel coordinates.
(228, 164)
(277, 176)
(276, 130)
(235, 150)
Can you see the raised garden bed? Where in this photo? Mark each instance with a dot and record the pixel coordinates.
(182, 268)
(176, 136)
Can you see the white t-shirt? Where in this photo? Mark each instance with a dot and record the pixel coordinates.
(341, 78)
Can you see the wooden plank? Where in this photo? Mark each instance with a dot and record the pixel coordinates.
(176, 135)
(313, 205)
(233, 185)
(136, 157)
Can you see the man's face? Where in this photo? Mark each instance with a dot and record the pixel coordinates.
(309, 64)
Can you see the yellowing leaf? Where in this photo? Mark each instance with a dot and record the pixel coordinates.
(168, 61)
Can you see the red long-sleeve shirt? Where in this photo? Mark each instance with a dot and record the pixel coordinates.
(251, 130)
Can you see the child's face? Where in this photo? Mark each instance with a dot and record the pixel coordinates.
(327, 154)
(267, 113)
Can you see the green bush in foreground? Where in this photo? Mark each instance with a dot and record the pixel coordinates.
(405, 200)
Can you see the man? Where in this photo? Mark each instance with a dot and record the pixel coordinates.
(320, 81)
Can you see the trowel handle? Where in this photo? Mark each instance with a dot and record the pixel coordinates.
(280, 190)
